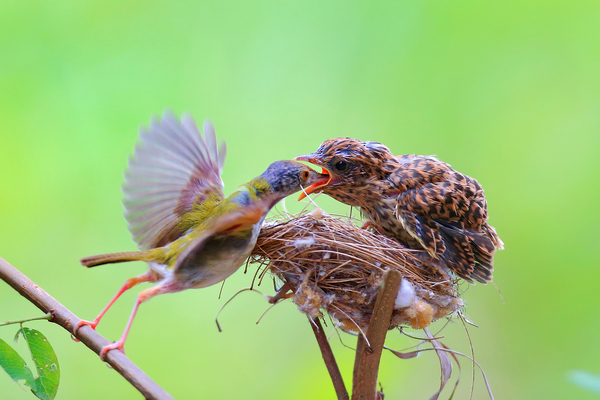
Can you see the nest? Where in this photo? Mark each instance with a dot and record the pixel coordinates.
(334, 266)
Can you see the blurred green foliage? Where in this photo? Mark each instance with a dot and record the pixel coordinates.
(508, 92)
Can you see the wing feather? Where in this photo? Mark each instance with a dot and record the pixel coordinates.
(210, 138)
(244, 216)
(172, 169)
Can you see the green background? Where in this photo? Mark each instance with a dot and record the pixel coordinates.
(507, 92)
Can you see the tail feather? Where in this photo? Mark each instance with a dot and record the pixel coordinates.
(459, 254)
(469, 252)
(101, 259)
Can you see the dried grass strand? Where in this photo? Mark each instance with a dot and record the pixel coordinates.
(332, 265)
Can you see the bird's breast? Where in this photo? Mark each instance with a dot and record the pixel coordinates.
(360, 195)
(381, 214)
(219, 257)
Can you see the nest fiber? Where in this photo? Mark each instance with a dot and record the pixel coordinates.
(334, 266)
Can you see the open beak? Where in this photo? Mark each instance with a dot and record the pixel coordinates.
(324, 180)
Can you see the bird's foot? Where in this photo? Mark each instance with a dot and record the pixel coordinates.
(366, 225)
(82, 322)
(118, 345)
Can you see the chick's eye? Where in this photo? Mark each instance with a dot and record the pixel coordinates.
(341, 166)
(305, 175)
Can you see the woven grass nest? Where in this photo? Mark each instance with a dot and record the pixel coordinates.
(333, 265)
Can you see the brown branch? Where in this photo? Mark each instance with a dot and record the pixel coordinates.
(366, 363)
(327, 353)
(65, 318)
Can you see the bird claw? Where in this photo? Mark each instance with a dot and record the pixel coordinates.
(82, 322)
(118, 345)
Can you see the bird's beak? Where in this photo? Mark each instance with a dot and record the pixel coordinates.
(324, 181)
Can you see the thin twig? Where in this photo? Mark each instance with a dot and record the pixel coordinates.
(281, 293)
(230, 299)
(47, 317)
(65, 318)
(330, 363)
(366, 363)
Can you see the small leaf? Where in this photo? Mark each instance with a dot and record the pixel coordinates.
(42, 354)
(445, 364)
(405, 356)
(439, 347)
(14, 365)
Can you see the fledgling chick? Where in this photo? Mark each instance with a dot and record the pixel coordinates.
(419, 200)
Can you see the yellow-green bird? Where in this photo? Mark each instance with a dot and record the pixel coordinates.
(188, 232)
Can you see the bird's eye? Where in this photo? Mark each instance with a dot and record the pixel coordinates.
(305, 175)
(341, 166)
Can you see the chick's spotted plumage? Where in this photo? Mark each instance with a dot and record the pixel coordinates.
(188, 232)
(419, 200)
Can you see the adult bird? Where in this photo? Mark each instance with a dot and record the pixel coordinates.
(187, 231)
(419, 200)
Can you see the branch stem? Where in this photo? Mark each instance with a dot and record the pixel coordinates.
(366, 363)
(92, 339)
(328, 357)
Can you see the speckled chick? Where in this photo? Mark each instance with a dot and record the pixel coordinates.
(419, 200)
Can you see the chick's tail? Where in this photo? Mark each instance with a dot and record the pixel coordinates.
(101, 259)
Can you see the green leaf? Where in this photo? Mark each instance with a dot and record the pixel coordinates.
(44, 357)
(14, 365)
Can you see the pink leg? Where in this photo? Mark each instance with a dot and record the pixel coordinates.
(129, 283)
(142, 297)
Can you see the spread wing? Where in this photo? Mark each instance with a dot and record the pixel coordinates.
(172, 169)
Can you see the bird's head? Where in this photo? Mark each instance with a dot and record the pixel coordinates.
(283, 178)
(349, 162)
